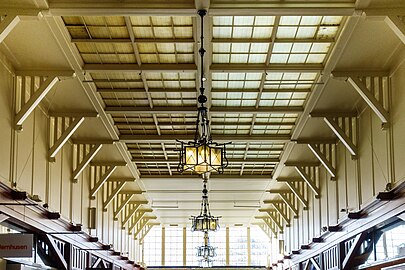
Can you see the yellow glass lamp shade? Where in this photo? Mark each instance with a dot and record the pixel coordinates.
(202, 158)
(190, 156)
(205, 223)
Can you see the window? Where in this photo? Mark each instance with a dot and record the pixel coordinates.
(174, 246)
(259, 247)
(238, 246)
(152, 247)
(194, 240)
(390, 243)
(218, 241)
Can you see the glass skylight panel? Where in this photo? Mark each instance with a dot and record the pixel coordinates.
(262, 32)
(257, 58)
(235, 84)
(301, 47)
(167, 58)
(223, 32)
(297, 58)
(279, 58)
(221, 58)
(264, 20)
(311, 20)
(242, 32)
(243, 20)
(287, 32)
(320, 47)
(302, 96)
(222, 20)
(239, 58)
(297, 102)
(331, 20)
(325, 32)
(259, 47)
(305, 32)
(143, 32)
(248, 103)
(240, 47)
(316, 58)
(253, 76)
(221, 47)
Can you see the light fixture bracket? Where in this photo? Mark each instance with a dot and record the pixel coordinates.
(203, 154)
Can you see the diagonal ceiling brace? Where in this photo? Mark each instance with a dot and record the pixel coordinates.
(326, 160)
(126, 198)
(86, 157)
(308, 177)
(10, 20)
(114, 192)
(142, 225)
(311, 183)
(7, 25)
(59, 121)
(274, 216)
(66, 134)
(296, 187)
(269, 223)
(147, 230)
(339, 132)
(28, 107)
(136, 219)
(130, 211)
(98, 184)
(369, 98)
(288, 197)
(282, 209)
(397, 26)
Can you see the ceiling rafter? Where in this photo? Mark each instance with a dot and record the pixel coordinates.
(219, 138)
(188, 9)
(191, 110)
(231, 160)
(190, 40)
(186, 68)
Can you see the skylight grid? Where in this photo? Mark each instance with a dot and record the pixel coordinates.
(117, 80)
(308, 27)
(247, 28)
(160, 27)
(270, 154)
(96, 27)
(252, 53)
(243, 26)
(290, 80)
(170, 80)
(299, 53)
(236, 80)
(126, 102)
(166, 52)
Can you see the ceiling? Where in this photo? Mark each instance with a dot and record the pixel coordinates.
(267, 65)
